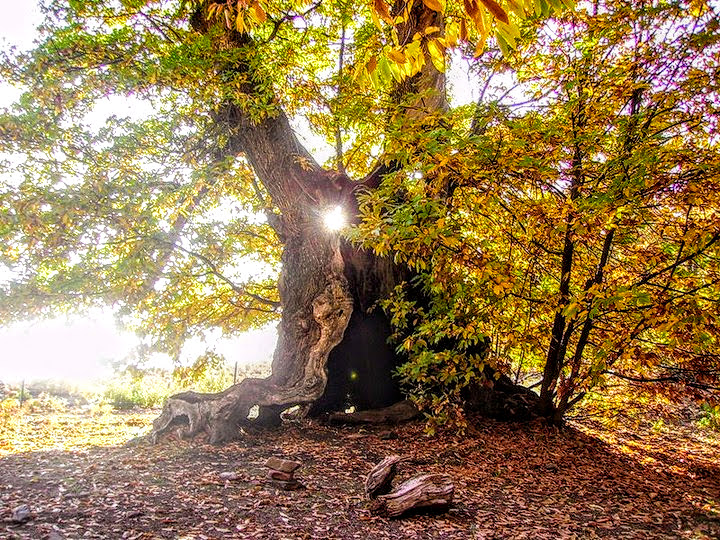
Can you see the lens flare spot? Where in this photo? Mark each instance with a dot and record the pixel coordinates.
(334, 218)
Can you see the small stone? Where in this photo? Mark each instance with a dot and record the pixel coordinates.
(283, 465)
(20, 514)
(229, 475)
(388, 436)
(287, 486)
(54, 535)
(279, 475)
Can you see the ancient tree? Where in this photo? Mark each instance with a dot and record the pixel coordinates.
(559, 242)
(333, 348)
(158, 214)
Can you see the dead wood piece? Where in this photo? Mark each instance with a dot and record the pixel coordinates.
(428, 491)
(283, 465)
(401, 411)
(379, 480)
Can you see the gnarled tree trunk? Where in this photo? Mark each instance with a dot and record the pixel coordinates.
(326, 290)
(332, 349)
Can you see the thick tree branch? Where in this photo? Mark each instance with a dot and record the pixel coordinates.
(290, 175)
(417, 97)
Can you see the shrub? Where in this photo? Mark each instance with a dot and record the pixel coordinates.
(144, 392)
(9, 412)
(45, 403)
(148, 388)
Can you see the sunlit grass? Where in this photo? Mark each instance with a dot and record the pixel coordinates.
(79, 429)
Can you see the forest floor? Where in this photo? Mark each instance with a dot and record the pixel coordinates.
(511, 481)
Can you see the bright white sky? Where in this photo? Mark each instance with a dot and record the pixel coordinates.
(80, 349)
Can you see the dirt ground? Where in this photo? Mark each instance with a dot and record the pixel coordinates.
(511, 481)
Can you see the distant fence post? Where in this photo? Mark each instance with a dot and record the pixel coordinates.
(22, 392)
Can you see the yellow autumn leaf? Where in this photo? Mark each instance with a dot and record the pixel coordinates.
(452, 31)
(437, 54)
(496, 9)
(397, 56)
(239, 22)
(375, 19)
(259, 12)
(483, 30)
(383, 10)
(435, 5)
(697, 7)
(516, 8)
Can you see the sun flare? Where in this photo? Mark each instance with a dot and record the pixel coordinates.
(334, 218)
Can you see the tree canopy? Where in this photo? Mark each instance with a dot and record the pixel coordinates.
(146, 212)
(578, 232)
(569, 225)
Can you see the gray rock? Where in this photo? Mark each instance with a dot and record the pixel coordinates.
(21, 514)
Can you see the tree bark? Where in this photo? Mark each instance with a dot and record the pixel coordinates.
(379, 480)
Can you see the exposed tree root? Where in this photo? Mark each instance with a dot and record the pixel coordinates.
(394, 414)
(219, 416)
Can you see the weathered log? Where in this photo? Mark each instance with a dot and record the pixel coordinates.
(428, 491)
(394, 414)
(379, 481)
